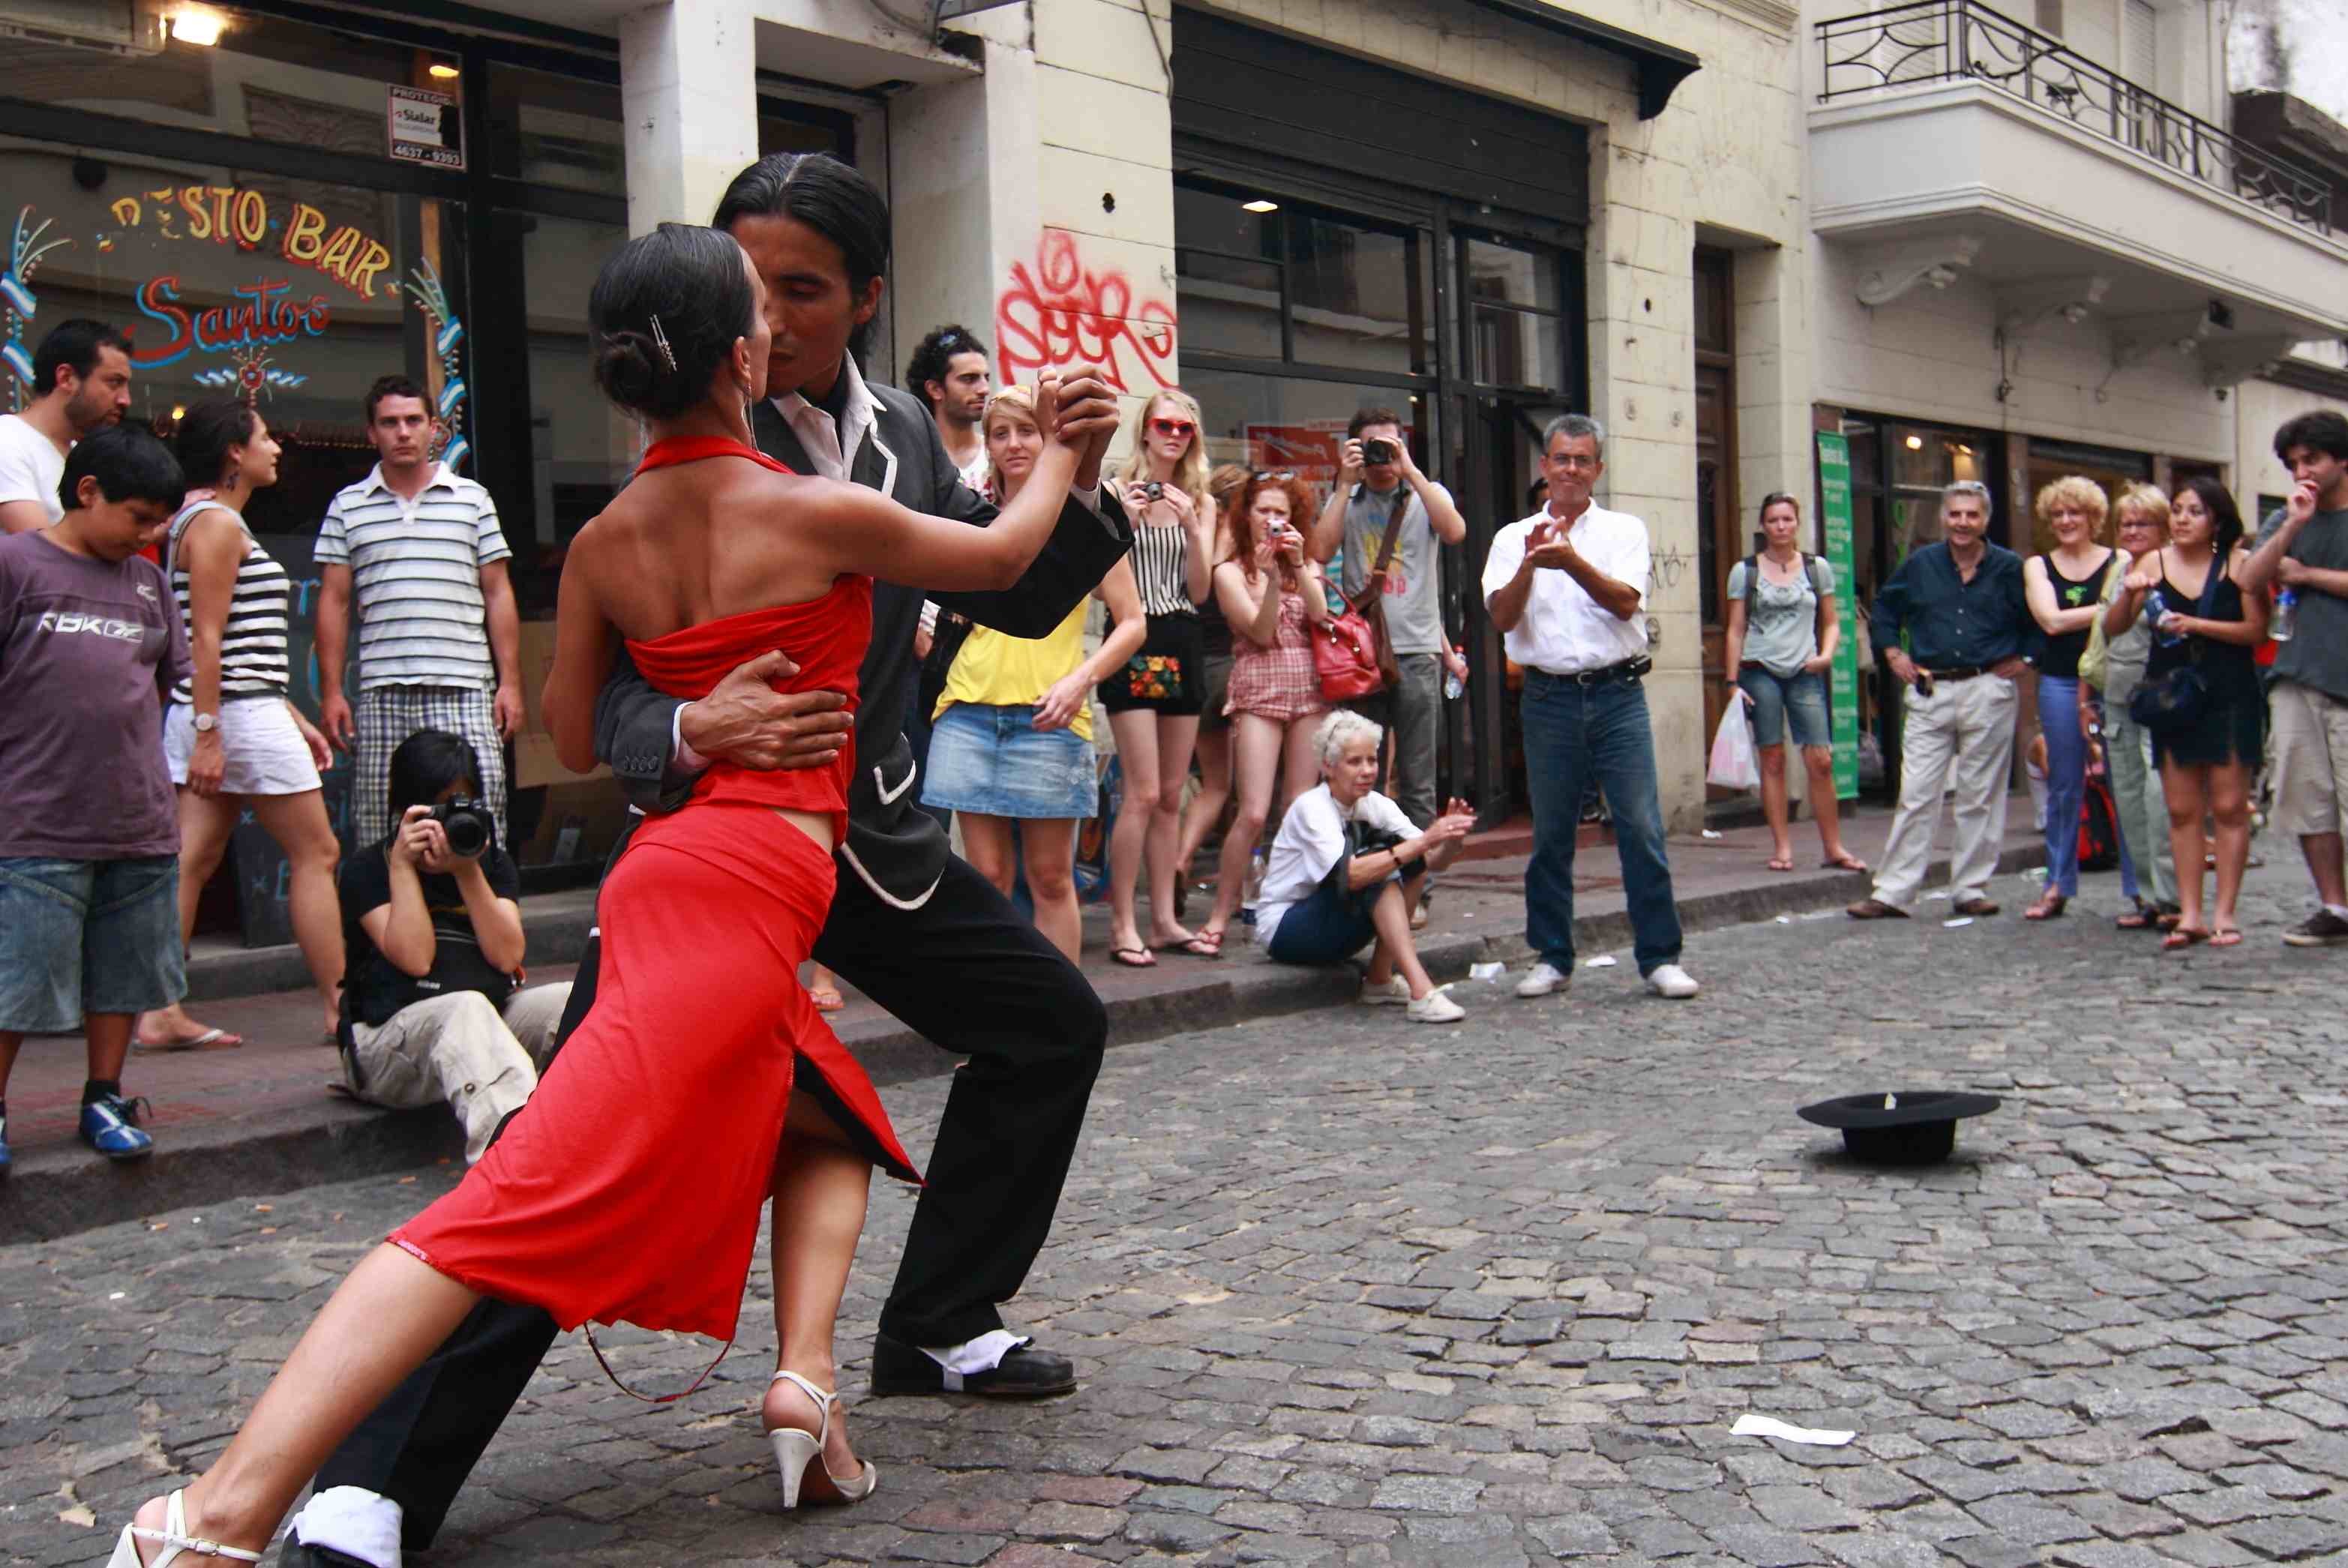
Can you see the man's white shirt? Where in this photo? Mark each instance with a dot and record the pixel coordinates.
(1564, 630)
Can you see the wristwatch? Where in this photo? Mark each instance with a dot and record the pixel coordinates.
(206, 723)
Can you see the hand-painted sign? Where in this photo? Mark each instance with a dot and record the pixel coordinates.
(226, 215)
(262, 312)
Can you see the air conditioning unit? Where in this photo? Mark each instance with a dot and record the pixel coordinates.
(125, 27)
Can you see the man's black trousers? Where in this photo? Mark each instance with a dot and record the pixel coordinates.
(965, 971)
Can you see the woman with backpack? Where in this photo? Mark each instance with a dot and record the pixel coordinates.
(1782, 628)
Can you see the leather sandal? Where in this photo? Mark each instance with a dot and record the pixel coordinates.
(798, 1455)
(176, 1541)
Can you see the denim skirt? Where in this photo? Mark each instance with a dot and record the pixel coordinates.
(993, 760)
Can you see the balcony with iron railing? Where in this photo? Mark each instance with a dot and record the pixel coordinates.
(1946, 41)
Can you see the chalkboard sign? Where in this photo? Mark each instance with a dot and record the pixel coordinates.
(264, 878)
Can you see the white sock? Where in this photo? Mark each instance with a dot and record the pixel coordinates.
(2340, 910)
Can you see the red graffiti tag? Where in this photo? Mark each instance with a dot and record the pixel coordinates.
(1060, 314)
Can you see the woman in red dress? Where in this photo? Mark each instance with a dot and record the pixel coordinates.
(628, 1189)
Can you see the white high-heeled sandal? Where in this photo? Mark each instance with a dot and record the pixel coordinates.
(796, 1450)
(176, 1541)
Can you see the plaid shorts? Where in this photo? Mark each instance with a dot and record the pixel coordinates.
(386, 715)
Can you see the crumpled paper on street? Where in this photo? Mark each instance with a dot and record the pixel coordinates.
(1770, 1427)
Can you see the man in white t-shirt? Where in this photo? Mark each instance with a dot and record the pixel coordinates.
(81, 383)
(1567, 588)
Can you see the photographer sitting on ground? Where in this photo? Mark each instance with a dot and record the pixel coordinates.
(433, 1007)
(1347, 868)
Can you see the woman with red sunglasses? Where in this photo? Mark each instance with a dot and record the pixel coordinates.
(1154, 701)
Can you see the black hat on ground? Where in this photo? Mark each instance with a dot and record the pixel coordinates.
(1913, 1128)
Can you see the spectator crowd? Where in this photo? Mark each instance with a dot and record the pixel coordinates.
(1288, 643)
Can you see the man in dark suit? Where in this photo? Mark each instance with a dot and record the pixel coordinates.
(912, 927)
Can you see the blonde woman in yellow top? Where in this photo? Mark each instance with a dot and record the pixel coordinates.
(1011, 745)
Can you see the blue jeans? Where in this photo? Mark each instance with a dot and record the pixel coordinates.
(1576, 736)
(2067, 779)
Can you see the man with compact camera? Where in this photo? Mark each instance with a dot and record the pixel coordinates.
(433, 1007)
(1390, 522)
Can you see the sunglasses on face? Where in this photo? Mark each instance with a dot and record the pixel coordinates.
(1172, 427)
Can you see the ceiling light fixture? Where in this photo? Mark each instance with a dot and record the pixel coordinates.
(1259, 205)
(1915, 443)
(200, 27)
(444, 70)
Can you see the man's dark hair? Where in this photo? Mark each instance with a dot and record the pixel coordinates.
(933, 355)
(128, 463)
(2323, 429)
(1364, 418)
(828, 196)
(394, 387)
(207, 431)
(2224, 517)
(74, 343)
(425, 763)
(664, 312)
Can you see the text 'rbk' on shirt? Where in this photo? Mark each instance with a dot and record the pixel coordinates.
(1953, 625)
(1565, 631)
(86, 646)
(415, 576)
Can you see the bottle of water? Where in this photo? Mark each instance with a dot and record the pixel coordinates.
(2286, 615)
(2155, 605)
(1252, 889)
(1454, 684)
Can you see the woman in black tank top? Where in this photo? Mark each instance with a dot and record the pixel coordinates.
(2065, 588)
(2205, 622)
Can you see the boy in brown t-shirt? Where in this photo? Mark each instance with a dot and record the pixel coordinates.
(89, 837)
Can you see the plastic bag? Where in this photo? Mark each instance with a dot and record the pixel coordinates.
(1734, 764)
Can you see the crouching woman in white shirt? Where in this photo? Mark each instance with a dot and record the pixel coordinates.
(1345, 870)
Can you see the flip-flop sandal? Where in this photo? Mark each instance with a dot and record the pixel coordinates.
(1781, 865)
(2048, 908)
(1203, 944)
(2226, 937)
(1851, 864)
(2182, 938)
(1134, 957)
(2141, 918)
(210, 1040)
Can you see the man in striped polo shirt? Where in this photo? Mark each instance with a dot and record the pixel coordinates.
(440, 636)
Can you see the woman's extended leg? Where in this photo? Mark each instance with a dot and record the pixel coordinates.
(821, 1186)
(298, 823)
(1136, 751)
(1256, 743)
(1177, 733)
(1300, 764)
(205, 824)
(389, 1315)
(1819, 762)
(1048, 852)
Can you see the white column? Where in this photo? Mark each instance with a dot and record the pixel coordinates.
(688, 96)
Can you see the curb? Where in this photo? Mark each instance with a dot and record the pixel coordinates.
(337, 1140)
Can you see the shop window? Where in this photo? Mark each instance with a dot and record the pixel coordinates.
(264, 78)
(555, 130)
(1516, 321)
(1286, 282)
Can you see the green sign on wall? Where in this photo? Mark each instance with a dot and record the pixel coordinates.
(1835, 528)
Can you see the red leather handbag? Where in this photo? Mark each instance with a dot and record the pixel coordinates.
(1345, 657)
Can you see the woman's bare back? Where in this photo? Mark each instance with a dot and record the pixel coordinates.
(698, 542)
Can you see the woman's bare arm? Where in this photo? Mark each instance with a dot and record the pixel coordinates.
(583, 638)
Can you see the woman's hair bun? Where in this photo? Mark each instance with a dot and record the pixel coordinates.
(628, 368)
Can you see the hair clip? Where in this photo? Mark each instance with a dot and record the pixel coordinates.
(660, 341)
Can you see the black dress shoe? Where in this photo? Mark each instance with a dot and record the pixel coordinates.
(1026, 1373)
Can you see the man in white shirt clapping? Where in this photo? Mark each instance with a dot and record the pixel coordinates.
(1567, 588)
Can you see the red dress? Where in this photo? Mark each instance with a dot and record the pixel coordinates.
(628, 1188)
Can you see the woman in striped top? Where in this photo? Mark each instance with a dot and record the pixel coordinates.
(235, 743)
(1153, 702)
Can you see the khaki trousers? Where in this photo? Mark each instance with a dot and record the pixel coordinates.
(483, 1060)
(1960, 738)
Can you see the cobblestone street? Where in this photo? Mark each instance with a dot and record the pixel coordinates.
(1348, 1290)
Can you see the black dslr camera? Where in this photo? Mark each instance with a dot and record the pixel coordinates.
(468, 824)
(1378, 452)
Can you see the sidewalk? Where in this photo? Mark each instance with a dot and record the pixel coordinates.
(269, 1117)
